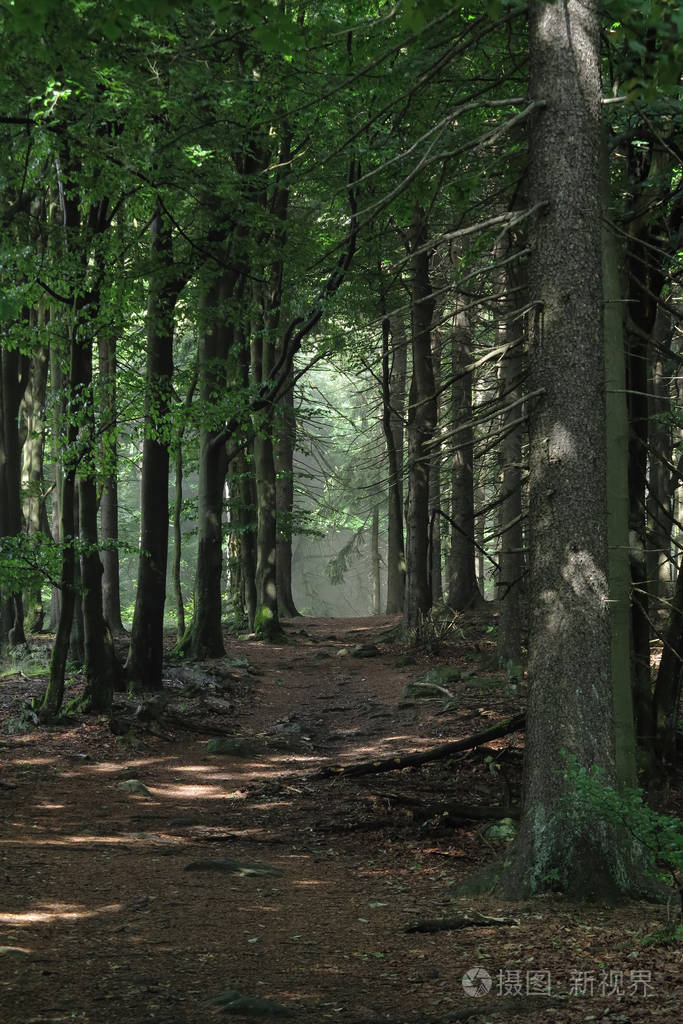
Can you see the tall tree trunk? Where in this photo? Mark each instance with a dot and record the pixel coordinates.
(659, 496)
(570, 702)
(618, 499)
(283, 453)
(393, 408)
(375, 575)
(243, 518)
(435, 575)
(77, 634)
(512, 626)
(14, 375)
(204, 637)
(267, 620)
(100, 662)
(645, 281)
(66, 430)
(178, 512)
(421, 426)
(145, 655)
(35, 512)
(109, 500)
(463, 591)
(668, 686)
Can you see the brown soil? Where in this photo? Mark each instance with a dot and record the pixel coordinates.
(101, 921)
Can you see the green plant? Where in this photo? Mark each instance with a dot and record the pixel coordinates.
(658, 837)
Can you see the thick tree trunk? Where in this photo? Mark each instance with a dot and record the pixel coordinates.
(393, 407)
(204, 637)
(462, 589)
(421, 426)
(570, 709)
(145, 655)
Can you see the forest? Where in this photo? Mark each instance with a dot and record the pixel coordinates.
(357, 309)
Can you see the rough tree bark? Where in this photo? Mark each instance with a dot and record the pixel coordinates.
(421, 426)
(570, 703)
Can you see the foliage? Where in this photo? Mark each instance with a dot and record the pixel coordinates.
(657, 837)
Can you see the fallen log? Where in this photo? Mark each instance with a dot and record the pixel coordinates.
(398, 761)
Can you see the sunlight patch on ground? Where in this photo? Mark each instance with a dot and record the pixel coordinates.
(185, 791)
(33, 761)
(114, 767)
(49, 807)
(126, 839)
(57, 912)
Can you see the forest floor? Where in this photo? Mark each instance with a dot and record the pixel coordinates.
(146, 879)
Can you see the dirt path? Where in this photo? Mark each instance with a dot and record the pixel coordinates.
(240, 877)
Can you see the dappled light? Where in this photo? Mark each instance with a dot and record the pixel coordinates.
(50, 913)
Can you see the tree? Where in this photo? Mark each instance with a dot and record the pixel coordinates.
(422, 412)
(570, 709)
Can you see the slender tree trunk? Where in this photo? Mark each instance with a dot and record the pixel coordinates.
(14, 375)
(178, 512)
(463, 591)
(668, 686)
(393, 407)
(109, 500)
(435, 575)
(618, 500)
(512, 626)
(243, 518)
(66, 492)
(283, 452)
(145, 655)
(267, 620)
(659, 497)
(570, 708)
(376, 577)
(77, 635)
(100, 663)
(421, 426)
(35, 512)
(645, 281)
